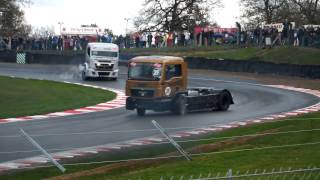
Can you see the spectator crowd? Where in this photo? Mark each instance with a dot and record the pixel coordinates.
(265, 36)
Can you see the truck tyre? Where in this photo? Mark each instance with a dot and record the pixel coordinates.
(114, 79)
(83, 76)
(224, 101)
(180, 105)
(141, 111)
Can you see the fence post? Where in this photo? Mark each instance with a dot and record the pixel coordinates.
(209, 175)
(34, 143)
(176, 145)
(229, 174)
(191, 177)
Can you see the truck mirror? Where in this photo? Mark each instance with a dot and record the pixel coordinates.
(88, 51)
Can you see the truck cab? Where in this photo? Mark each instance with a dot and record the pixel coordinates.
(101, 60)
(159, 83)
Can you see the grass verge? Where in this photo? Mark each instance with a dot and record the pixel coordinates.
(294, 157)
(289, 55)
(21, 97)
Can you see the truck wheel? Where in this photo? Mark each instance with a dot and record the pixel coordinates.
(83, 76)
(141, 111)
(224, 101)
(114, 79)
(180, 106)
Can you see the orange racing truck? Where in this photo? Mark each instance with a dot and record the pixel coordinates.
(159, 83)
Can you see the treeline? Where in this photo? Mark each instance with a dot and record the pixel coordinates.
(301, 12)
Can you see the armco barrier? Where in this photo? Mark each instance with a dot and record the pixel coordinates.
(307, 71)
(251, 66)
(42, 58)
(8, 56)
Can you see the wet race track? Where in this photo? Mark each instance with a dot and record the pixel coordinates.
(251, 101)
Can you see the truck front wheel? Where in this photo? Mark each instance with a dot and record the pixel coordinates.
(224, 101)
(180, 105)
(83, 76)
(141, 111)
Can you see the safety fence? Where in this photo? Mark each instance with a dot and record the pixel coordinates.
(264, 174)
(310, 173)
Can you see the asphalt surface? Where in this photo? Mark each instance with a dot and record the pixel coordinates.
(251, 101)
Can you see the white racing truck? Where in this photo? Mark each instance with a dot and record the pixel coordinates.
(101, 61)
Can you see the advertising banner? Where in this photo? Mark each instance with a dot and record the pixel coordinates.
(81, 31)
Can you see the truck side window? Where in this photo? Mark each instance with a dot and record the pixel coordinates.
(173, 70)
(88, 51)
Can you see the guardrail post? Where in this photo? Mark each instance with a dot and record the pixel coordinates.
(175, 144)
(229, 174)
(35, 144)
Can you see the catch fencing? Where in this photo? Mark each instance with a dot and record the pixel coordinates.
(288, 173)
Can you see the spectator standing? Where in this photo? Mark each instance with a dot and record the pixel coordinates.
(60, 43)
(71, 44)
(137, 40)
(205, 36)
(187, 38)
(296, 37)
(157, 40)
(170, 39)
(183, 39)
(143, 40)
(54, 43)
(149, 37)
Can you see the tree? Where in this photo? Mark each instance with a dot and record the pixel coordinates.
(270, 11)
(43, 31)
(258, 11)
(12, 18)
(174, 15)
(310, 9)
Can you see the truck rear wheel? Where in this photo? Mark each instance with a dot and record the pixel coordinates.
(141, 111)
(224, 101)
(180, 105)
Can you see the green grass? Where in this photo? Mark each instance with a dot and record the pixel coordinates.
(21, 97)
(297, 157)
(289, 55)
(294, 157)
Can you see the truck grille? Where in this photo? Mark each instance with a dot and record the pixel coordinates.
(103, 73)
(104, 67)
(142, 92)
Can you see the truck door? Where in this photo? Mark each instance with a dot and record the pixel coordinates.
(173, 79)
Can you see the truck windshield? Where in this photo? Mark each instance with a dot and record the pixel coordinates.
(145, 71)
(104, 53)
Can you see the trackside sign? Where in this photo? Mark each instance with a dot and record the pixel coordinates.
(81, 31)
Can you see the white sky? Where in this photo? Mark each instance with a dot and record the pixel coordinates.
(106, 13)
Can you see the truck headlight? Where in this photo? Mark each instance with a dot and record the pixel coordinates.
(91, 64)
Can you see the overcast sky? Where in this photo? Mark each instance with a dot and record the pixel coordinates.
(105, 13)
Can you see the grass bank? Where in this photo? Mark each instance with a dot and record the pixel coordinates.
(224, 150)
(21, 97)
(289, 55)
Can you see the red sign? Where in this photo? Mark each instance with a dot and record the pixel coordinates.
(228, 30)
(199, 29)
